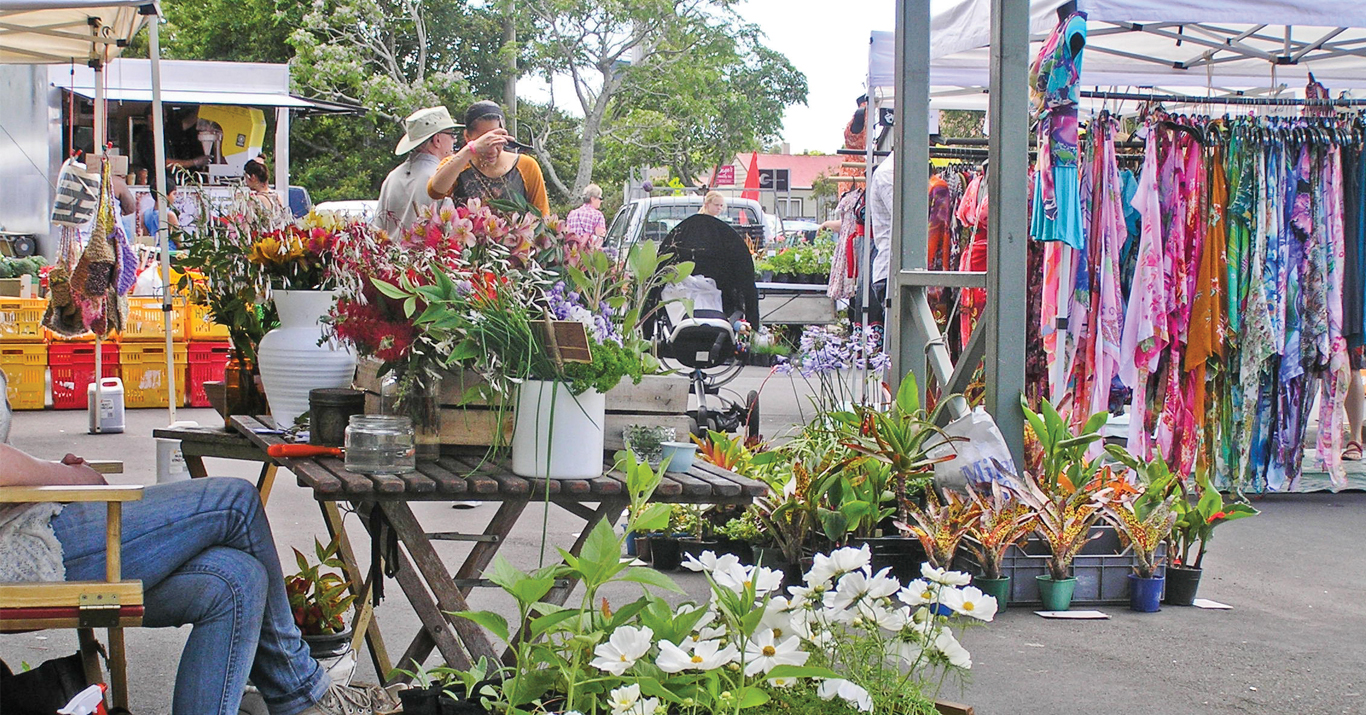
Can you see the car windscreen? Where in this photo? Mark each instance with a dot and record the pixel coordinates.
(622, 221)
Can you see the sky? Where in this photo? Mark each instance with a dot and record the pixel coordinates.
(827, 40)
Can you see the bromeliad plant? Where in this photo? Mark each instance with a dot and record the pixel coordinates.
(847, 635)
(941, 524)
(1003, 520)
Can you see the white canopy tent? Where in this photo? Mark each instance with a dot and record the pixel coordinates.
(1158, 48)
(93, 32)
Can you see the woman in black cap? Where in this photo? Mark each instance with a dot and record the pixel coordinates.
(482, 170)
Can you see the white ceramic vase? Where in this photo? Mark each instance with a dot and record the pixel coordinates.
(558, 435)
(291, 360)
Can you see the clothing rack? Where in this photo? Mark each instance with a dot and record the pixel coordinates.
(1230, 100)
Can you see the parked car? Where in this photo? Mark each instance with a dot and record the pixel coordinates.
(652, 219)
(360, 210)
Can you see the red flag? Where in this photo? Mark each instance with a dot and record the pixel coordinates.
(752, 179)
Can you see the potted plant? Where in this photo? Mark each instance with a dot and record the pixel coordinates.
(767, 354)
(647, 441)
(319, 601)
(1198, 511)
(443, 690)
(940, 524)
(665, 551)
(1144, 523)
(740, 534)
(1002, 521)
(700, 533)
(848, 635)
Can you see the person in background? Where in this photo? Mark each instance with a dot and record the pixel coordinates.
(151, 220)
(482, 169)
(206, 558)
(713, 204)
(587, 221)
(429, 136)
(257, 178)
(183, 148)
(880, 221)
(128, 206)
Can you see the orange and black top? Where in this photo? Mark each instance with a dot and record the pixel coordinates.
(523, 178)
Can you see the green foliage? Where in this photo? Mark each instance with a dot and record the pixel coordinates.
(1065, 462)
(16, 267)
(961, 123)
(318, 598)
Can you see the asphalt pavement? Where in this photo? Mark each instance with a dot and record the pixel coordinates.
(1294, 641)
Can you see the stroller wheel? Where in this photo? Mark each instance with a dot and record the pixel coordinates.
(751, 420)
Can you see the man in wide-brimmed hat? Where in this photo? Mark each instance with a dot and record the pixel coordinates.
(429, 136)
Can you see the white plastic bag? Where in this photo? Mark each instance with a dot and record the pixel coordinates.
(78, 193)
(979, 454)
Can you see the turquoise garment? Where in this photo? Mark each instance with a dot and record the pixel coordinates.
(1067, 225)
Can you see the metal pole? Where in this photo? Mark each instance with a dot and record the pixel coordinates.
(163, 231)
(98, 141)
(1007, 224)
(282, 154)
(910, 207)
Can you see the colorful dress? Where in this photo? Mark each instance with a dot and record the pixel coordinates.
(1053, 81)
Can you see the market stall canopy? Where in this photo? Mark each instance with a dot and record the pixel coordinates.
(58, 31)
(246, 84)
(1188, 48)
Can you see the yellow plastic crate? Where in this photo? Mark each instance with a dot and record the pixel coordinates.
(145, 320)
(25, 368)
(21, 319)
(201, 326)
(143, 366)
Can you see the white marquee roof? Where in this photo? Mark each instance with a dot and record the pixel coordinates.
(64, 31)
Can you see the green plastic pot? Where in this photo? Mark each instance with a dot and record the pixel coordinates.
(997, 588)
(1056, 595)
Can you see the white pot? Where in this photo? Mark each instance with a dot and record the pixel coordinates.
(291, 360)
(568, 448)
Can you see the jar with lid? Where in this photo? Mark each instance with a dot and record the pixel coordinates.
(380, 444)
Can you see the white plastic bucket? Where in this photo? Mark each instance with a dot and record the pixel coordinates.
(171, 465)
(571, 447)
(108, 418)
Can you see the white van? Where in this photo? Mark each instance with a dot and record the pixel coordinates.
(652, 218)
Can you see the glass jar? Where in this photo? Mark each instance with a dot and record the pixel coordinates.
(380, 444)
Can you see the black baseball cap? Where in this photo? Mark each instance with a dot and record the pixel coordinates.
(483, 110)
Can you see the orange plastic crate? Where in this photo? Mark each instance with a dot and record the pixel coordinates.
(145, 321)
(144, 374)
(201, 326)
(21, 319)
(25, 367)
(111, 337)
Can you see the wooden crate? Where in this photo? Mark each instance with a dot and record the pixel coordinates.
(656, 401)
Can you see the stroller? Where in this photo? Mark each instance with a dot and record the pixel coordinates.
(703, 343)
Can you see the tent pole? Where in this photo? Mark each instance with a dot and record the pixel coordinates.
(1007, 225)
(282, 154)
(163, 231)
(910, 204)
(97, 140)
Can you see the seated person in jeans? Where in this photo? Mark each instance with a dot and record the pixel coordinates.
(205, 555)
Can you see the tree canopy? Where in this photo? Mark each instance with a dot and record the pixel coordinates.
(677, 83)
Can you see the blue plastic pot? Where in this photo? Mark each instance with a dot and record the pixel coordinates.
(1145, 594)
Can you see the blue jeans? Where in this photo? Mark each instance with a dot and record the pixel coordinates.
(205, 555)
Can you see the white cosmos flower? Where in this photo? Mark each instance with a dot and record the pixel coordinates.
(957, 655)
(648, 706)
(737, 577)
(918, 593)
(707, 655)
(703, 634)
(846, 691)
(710, 562)
(624, 698)
(839, 562)
(809, 628)
(782, 682)
(622, 650)
(855, 586)
(970, 601)
(777, 619)
(909, 652)
(805, 597)
(892, 619)
(763, 653)
(944, 576)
